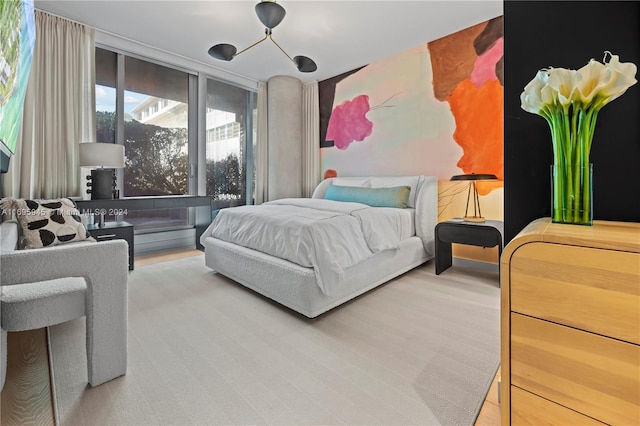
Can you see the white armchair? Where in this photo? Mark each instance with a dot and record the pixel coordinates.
(48, 286)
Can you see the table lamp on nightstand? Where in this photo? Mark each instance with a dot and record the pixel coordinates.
(472, 178)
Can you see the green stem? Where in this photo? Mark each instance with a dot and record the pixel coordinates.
(572, 129)
(558, 158)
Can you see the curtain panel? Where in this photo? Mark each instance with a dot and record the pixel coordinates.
(59, 111)
(310, 138)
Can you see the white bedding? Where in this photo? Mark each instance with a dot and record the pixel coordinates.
(408, 223)
(329, 236)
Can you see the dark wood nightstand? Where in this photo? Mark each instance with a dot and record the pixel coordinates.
(483, 234)
(114, 231)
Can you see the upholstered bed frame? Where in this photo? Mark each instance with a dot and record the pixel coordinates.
(295, 286)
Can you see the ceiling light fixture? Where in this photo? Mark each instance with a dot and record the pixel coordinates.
(270, 14)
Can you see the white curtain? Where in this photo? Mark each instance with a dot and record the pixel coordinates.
(310, 138)
(59, 111)
(262, 158)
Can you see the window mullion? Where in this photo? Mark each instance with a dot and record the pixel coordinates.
(248, 140)
(192, 159)
(119, 125)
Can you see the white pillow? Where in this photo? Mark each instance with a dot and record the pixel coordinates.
(391, 181)
(364, 182)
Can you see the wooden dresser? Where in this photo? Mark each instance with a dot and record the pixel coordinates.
(571, 324)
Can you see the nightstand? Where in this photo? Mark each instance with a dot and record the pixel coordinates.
(483, 234)
(114, 231)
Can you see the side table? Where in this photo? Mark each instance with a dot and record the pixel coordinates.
(484, 234)
(114, 231)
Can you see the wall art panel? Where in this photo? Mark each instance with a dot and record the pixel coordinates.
(435, 109)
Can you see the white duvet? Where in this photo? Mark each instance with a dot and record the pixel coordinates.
(328, 236)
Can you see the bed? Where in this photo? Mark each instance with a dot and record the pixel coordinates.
(280, 249)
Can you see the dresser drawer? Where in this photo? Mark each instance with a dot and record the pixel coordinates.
(591, 374)
(530, 409)
(591, 289)
(111, 234)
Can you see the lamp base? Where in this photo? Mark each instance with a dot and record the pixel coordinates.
(476, 219)
(102, 184)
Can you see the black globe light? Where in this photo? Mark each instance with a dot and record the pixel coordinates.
(270, 14)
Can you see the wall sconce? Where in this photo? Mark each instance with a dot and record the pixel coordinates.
(105, 158)
(472, 178)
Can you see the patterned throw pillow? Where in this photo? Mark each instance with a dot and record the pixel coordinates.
(47, 222)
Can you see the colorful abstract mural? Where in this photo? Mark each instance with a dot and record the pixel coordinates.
(467, 73)
(436, 109)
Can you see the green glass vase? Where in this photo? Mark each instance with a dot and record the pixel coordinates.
(572, 193)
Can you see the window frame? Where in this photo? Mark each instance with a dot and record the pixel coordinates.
(197, 98)
(251, 103)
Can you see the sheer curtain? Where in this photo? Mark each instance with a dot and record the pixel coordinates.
(59, 111)
(262, 160)
(310, 138)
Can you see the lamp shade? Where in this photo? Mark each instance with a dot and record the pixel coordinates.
(223, 51)
(105, 155)
(270, 13)
(474, 176)
(305, 64)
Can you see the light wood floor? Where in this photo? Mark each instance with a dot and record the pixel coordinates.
(490, 412)
(27, 399)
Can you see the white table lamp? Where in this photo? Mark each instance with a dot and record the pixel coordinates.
(103, 158)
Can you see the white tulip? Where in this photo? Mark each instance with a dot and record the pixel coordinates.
(531, 97)
(570, 100)
(617, 79)
(628, 69)
(591, 81)
(565, 84)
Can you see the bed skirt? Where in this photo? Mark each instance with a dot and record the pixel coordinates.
(295, 286)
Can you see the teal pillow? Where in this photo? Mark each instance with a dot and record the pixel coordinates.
(396, 196)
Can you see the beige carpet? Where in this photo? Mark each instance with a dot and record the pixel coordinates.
(422, 349)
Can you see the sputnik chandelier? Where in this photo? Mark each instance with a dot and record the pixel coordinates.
(270, 14)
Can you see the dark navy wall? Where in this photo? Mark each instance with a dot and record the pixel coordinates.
(567, 34)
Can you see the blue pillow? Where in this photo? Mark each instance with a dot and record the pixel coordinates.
(396, 196)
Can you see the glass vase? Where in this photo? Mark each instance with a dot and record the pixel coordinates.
(571, 193)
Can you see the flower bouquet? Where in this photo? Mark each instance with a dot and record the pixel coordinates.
(570, 100)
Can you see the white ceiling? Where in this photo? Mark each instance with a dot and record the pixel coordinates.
(338, 35)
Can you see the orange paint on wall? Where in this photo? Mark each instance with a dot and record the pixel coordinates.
(479, 129)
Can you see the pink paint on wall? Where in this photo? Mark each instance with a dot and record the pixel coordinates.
(348, 122)
(484, 68)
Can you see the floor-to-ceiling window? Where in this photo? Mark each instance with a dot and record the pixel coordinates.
(145, 107)
(230, 129)
(106, 82)
(156, 129)
(151, 109)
